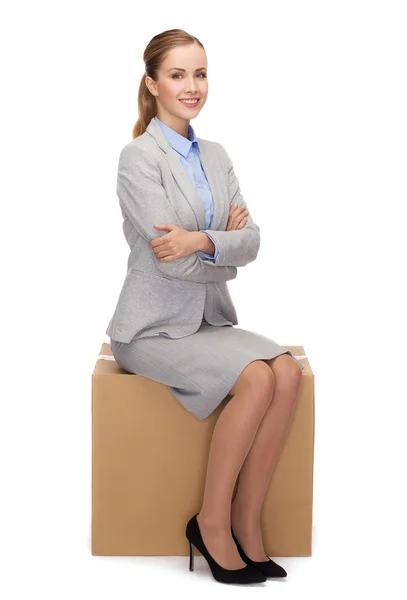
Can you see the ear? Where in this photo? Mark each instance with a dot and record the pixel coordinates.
(151, 85)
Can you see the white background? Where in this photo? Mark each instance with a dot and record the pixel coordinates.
(309, 99)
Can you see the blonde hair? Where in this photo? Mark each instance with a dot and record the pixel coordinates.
(154, 54)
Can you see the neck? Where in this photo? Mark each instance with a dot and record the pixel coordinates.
(176, 123)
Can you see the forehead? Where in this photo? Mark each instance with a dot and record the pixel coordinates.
(189, 57)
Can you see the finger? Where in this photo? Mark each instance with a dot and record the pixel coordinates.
(159, 241)
(162, 254)
(237, 209)
(168, 258)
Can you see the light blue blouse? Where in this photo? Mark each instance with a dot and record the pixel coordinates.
(188, 153)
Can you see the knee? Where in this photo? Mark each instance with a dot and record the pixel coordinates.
(286, 370)
(260, 376)
(257, 380)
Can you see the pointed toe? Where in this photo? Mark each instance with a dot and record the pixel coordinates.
(280, 571)
(269, 568)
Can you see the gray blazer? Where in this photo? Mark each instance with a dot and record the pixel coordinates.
(171, 297)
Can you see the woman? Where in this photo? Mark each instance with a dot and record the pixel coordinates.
(188, 230)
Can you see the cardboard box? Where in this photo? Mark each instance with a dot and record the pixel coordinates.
(149, 457)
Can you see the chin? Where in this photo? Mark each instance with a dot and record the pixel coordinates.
(187, 117)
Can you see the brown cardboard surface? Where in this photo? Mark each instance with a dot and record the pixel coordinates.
(149, 457)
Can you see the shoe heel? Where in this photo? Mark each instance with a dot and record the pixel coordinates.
(191, 557)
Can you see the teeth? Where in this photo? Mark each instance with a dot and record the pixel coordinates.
(189, 101)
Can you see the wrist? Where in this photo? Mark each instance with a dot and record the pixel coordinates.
(203, 243)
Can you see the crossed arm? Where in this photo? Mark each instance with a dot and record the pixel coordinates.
(143, 199)
(241, 246)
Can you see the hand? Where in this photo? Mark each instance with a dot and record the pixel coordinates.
(237, 219)
(174, 245)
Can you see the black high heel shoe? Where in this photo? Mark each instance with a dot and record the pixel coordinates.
(247, 574)
(268, 567)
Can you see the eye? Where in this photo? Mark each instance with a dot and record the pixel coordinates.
(179, 75)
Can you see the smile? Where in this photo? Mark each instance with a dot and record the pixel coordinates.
(190, 102)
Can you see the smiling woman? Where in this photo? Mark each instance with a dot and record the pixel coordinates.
(180, 80)
(175, 321)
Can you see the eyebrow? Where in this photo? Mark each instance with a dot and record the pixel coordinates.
(178, 69)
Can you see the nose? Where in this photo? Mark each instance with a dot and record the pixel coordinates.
(191, 85)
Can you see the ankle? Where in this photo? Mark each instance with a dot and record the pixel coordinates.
(213, 522)
(244, 520)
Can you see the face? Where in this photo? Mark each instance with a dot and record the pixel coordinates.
(182, 75)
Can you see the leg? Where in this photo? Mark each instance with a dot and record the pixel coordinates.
(232, 438)
(256, 472)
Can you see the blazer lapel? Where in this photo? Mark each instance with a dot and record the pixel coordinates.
(217, 185)
(183, 180)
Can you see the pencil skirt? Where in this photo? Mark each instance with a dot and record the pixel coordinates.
(198, 369)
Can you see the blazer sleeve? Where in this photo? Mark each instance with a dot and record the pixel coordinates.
(208, 256)
(240, 247)
(143, 199)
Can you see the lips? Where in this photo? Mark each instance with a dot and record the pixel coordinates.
(190, 104)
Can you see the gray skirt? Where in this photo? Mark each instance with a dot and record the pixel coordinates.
(199, 369)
